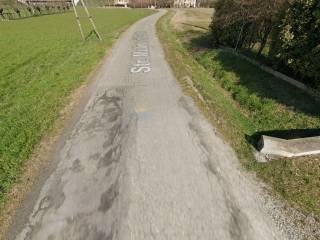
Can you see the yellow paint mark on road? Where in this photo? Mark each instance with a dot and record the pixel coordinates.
(140, 109)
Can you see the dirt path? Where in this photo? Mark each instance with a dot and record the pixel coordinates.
(142, 163)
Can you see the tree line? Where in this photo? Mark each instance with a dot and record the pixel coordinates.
(148, 3)
(10, 10)
(284, 33)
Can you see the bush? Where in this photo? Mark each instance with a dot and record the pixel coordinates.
(290, 29)
(299, 41)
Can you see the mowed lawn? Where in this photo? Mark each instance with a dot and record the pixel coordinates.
(42, 60)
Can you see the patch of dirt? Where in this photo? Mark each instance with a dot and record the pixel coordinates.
(178, 19)
(197, 19)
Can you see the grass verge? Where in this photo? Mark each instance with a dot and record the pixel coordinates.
(43, 60)
(243, 102)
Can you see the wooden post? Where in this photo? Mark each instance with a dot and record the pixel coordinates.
(91, 20)
(77, 19)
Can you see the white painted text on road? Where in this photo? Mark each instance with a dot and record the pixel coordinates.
(141, 55)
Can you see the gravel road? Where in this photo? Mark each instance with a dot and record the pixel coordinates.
(143, 163)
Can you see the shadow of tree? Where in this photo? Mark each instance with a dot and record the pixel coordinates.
(195, 26)
(260, 83)
(201, 41)
(267, 86)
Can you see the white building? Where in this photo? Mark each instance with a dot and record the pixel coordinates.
(121, 3)
(185, 3)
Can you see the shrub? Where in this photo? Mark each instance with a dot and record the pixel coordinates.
(290, 28)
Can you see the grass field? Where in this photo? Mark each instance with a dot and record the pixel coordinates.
(43, 59)
(198, 19)
(243, 103)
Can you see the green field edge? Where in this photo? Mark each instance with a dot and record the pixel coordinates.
(88, 73)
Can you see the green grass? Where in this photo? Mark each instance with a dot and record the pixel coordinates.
(43, 59)
(243, 103)
(268, 102)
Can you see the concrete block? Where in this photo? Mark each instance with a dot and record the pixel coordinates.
(278, 147)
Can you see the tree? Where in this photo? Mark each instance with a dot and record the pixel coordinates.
(291, 29)
(255, 17)
(298, 40)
